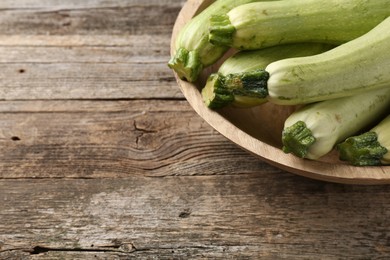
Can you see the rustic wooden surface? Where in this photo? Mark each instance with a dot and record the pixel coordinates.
(102, 157)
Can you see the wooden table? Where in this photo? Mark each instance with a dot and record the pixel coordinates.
(102, 157)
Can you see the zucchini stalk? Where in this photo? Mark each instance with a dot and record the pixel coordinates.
(314, 129)
(240, 80)
(368, 149)
(193, 51)
(217, 92)
(351, 68)
(263, 24)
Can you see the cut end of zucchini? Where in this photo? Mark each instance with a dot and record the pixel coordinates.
(221, 30)
(362, 150)
(249, 84)
(187, 64)
(214, 94)
(247, 89)
(297, 139)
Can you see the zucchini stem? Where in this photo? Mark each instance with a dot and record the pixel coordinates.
(221, 30)
(251, 83)
(362, 150)
(242, 89)
(214, 94)
(187, 64)
(297, 139)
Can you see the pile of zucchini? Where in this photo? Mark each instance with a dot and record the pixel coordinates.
(330, 57)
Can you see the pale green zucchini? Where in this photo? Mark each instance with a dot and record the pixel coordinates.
(370, 148)
(220, 89)
(351, 68)
(313, 130)
(193, 50)
(258, 25)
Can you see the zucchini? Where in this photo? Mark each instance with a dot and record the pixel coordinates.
(351, 68)
(370, 148)
(314, 129)
(262, 24)
(193, 51)
(220, 89)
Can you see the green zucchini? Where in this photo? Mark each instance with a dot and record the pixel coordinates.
(262, 24)
(193, 51)
(220, 89)
(351, 68)
(314, 129)
(370, 148)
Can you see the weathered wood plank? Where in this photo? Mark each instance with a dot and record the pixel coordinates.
(85, 4)
(44, 67)
(87, 72)
(90, 17)
(79, 49)
(111, 80)
(87, 50)
(263, 215)
(100, 139)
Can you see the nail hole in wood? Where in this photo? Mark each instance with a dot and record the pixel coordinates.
(22, 71)
(185, 213)
(15, 138)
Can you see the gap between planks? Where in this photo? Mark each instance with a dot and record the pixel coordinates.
(80, 40)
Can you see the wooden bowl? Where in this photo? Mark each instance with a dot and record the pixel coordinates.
(258, 130)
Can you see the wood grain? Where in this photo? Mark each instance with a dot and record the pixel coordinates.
(91, 139)
(32, 81)
(55, 17)
(87, 50)
(177, 217)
